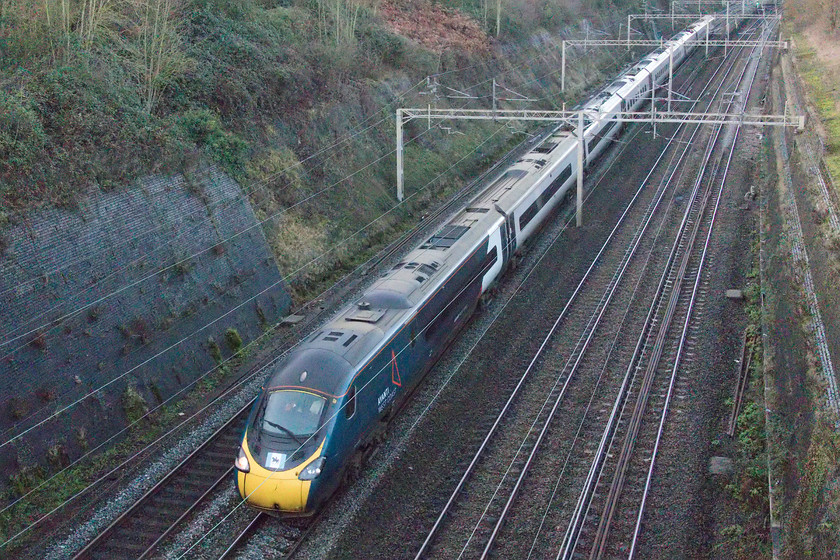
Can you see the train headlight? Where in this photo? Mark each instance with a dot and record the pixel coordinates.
(312, 470)
(241, 462)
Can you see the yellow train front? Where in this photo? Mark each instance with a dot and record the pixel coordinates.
(279, 492)
(282, 465)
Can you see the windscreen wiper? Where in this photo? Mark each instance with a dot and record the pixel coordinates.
(287, 430)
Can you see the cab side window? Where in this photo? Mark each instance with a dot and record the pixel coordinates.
(350, 407)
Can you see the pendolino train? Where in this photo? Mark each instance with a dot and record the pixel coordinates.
(325, 406)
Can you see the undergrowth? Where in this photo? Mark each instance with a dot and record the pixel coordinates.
(750, 538)
(821, 86)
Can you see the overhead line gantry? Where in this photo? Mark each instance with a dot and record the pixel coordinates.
(576, 119)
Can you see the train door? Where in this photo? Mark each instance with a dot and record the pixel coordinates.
(508, 236)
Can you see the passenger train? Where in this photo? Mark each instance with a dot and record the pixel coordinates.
(326, 405)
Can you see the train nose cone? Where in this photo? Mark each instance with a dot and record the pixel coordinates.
(278, 491)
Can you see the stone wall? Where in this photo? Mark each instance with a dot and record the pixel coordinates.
(124, 291)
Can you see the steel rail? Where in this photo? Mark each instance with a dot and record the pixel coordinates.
(184, 515)
(258, 520)
(740, 384)
(579, 352)
(436, 527)
(102, 538)
(612, 289)
(242, 535)
(660, 430)
(576, 523)
(577, 436)
(619, 478)
(638, 414)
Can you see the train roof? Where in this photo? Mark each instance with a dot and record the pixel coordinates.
(328, 361)
(313, 369)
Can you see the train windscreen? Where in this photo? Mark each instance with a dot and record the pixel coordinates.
(292, 413)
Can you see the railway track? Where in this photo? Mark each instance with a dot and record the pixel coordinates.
(161, 511)
(136, 533)
(613, 498)
(294, 533)
(484, 499)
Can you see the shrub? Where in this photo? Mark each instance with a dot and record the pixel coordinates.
(21, 134)
(234, 341)
(57, 456)
(134, 405)
(26, 479)
(389, 48)
(45, 394)
(17, 408)
(213, 348)
(81, 439)
(202, 126)
(39, 341)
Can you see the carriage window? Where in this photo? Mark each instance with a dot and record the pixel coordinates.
(350, 407)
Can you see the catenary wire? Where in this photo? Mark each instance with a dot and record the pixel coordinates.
(34, 413)
(305, 265)
(55, 323)
(262, 184)
(455, 370)
(432, 181)
(207, 325)
(265, 181)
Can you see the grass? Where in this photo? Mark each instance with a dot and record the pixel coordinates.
(260, 89)
(750, 537)
(823, 88)
(815, 512)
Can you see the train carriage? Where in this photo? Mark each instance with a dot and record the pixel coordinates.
(325, 405)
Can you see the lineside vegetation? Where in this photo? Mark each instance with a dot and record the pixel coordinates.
(95, 93)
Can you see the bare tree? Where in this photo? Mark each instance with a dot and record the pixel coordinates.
(157, 51)
(94, 16)
(337, 20)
